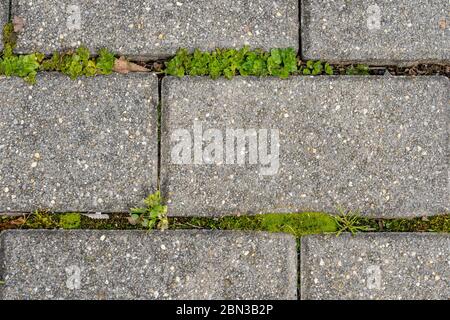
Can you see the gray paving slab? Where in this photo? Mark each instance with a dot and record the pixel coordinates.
(376, 266)
(4, 12)
(383, 32)
(156, 29)
(378, 145)
(84, 145)
(148, 265)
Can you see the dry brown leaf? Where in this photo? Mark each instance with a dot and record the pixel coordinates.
(442, 23)
(12, 223)
(124, 66)
(18, 222)
(18, 24)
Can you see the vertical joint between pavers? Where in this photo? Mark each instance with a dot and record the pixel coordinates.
(163, 142)
(299, 51)
(2, 266)
(159, 125)
(9, 10)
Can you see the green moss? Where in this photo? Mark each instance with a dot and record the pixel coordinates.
(41, 220)
(115, 222)
(70, 221)
(298, 224)
(9, 37)
(439, 223)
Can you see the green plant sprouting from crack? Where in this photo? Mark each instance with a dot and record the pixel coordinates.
(79, 63)
(348, 221)
(153, 215)
(315, 68)
(280, 62)
(358, 70)
(232, 62)
(24, 66)
(74, 63)
(298, 224)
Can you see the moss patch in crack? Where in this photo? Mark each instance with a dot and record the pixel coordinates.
(9, 37)
(439, 223)
(70, 221)
(298, 224)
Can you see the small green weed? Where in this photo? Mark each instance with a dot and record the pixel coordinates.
(21, 66)
(358, 70)
(105, 61)
(154, 214)
(232, 62)
(73, 63)
(279, 62)
(79, 63)
(350, 222)
(315, 68)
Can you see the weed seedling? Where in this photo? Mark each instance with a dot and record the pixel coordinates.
(350, 222)
(154, 214)
(231, 62)
(315, 68)
(358, 70)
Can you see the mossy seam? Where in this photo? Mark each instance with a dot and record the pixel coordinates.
(298, 224)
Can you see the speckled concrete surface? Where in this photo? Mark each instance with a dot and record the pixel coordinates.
(384, 31)
(376, 266)
(148, 265)
(84, 145)
(4, 9)
(374, 144)
(155, 29)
